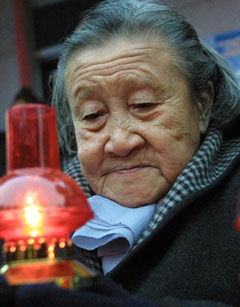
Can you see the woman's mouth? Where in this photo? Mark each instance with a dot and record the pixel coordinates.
(130, 170)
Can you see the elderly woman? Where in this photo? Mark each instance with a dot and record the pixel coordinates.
(148, 117)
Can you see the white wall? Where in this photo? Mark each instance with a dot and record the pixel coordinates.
(210, 16)
(9, 74)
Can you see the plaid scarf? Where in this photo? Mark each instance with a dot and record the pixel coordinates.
(210, 162)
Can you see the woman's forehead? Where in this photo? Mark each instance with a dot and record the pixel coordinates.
(118, 48)
(116, 57)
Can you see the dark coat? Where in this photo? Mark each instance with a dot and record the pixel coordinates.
(195, 255)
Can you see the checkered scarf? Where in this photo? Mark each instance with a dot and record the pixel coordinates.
(210, 162)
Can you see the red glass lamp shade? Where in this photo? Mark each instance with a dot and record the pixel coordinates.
(40, 202)
(40, 206)
(31, 137)
(36, 198)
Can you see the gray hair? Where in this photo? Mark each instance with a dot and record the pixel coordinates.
(130, 18)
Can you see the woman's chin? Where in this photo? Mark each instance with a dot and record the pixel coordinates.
(133, 190)
(132, 201)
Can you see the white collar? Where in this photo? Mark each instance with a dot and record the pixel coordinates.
(113, 231)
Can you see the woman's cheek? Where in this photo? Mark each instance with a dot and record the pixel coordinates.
(89, 154)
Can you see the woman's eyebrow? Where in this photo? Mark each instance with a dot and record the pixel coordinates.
(83, 91)
(84, 94)
(87, 92)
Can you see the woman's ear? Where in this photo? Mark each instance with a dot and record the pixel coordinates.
(205, 107)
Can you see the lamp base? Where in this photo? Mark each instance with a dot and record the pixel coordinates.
(64, 273)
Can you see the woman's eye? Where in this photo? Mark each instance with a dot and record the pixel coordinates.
(144, 105)
(93, 116)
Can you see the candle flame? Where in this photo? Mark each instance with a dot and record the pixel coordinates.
(33, 215)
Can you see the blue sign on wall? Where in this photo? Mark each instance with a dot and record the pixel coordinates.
(228, 45)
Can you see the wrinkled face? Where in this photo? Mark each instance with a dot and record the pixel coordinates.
(135, 123)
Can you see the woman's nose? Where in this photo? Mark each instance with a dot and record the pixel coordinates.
(122, 142)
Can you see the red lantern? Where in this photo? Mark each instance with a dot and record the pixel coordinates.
(40, 206)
